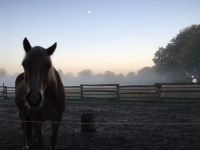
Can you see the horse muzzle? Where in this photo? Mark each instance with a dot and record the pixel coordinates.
(34, 98)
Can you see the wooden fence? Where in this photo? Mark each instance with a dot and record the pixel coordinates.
(6, 91)
(157, 92)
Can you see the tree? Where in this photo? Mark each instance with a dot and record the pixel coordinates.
(179, 61)
(85, 73)
(148, 75)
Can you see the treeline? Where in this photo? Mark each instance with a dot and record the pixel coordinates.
(144, 76)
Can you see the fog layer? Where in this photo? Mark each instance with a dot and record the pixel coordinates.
(146, 75)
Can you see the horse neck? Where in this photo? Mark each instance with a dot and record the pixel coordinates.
(52, 79)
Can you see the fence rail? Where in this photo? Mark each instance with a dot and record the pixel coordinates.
(157, 92)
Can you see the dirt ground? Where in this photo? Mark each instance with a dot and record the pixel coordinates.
(120, 126)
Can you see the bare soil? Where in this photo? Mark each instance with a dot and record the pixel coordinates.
(120, 126)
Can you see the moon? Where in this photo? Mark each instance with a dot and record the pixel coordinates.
(89, 11)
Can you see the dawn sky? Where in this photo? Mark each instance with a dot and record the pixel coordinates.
(116, 35)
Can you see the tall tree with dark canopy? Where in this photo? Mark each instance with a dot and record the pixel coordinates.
(179, 61)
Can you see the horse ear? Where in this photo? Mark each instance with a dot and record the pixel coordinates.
(27, 45)
(51, 49)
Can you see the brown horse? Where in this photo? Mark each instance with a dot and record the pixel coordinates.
(39, 95)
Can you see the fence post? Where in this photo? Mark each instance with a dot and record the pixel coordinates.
(81, 89)
(4, 91)
(158, 91)
(117, 91)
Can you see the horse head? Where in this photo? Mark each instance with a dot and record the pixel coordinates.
(38, 70)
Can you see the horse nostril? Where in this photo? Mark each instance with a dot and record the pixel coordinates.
(28, 95)
(40, 96)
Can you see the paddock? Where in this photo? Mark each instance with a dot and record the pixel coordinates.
(119, 126)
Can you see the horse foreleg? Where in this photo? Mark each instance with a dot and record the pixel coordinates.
(37, 135)
(55, 127)
(26, 127)
(26, 141)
